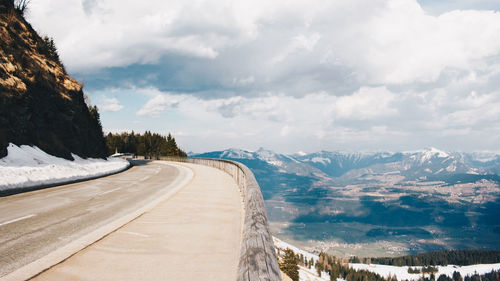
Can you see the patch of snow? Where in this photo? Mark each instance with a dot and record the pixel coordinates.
(401, 272)
(237, 154)
(269, 157)
(452, 167)
(438, 152)
(473, 171)
(275, 163)
(301, 153)
(291, 158)
(427, 154)
(27, 166)
(264, 153)
(321, 160)
(305, 274)
(283, 245)
(310, 274)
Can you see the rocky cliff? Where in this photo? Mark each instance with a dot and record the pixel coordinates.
(40, 104)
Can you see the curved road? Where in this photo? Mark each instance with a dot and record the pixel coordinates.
(34, 224)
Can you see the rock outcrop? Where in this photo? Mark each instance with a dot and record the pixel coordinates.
(40, 104)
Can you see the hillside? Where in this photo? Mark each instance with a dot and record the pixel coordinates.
(40, 104)
(344, 271)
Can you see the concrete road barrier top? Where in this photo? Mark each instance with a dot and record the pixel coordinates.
(258, 260)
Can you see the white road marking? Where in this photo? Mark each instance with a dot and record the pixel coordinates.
(144, 178)
(109, 191)
(18, 219)
(135, 233)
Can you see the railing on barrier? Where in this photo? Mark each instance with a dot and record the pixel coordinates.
(258, 260)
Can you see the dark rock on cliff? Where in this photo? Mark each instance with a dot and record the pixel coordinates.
(40, 104)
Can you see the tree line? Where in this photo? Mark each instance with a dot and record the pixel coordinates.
(339, 268)
(456, 257)
(150, 145)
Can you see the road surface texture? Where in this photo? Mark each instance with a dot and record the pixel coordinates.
(193, 235)
(45, 224)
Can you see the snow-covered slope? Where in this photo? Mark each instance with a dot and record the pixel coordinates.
(305, 274)
(27, 166)
(401, 272)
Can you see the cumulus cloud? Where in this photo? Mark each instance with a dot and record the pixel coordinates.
(157, 105)
(349, 73)
(384, 41)
(109, 104)
(370, 118)
(365, 104)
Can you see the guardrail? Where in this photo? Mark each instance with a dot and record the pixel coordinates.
(258, 260)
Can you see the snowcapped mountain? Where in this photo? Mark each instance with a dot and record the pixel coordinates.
(262, 157)
(336, 164)
(430, 163)
(380, 196)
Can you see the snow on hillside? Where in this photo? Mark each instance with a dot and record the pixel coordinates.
(401, 272)
(321, 160)
(283, 245)
(305, 274)
(27, 166)
(237, 154)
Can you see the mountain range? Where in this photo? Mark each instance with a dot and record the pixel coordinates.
(412, 201)
(426, 164)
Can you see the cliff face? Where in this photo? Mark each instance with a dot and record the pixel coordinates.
(40, 104)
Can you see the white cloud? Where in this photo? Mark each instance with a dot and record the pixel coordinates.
(407, 45)
(365, 104)
(384, 41)
(109, 104)
(243, 81)
(157, 105)
(369, 118)
(298, 43)
(319, 73)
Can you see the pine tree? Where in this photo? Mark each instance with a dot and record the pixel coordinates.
(288, 265)
(457, 276)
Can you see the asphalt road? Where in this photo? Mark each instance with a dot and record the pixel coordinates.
(36, 223)
(193, 235)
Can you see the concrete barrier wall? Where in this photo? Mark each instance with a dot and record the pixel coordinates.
(257, 258)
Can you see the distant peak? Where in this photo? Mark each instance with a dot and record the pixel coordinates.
(438, 152)
(301, 153)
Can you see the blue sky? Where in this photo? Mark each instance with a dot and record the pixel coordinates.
(297, 75)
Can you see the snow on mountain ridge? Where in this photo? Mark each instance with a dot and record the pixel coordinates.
(321, 160)
(236, 153)
(415, 164)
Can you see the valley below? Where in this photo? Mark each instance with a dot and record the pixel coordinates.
(380, 204)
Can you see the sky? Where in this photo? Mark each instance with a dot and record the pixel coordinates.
(298, 75)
